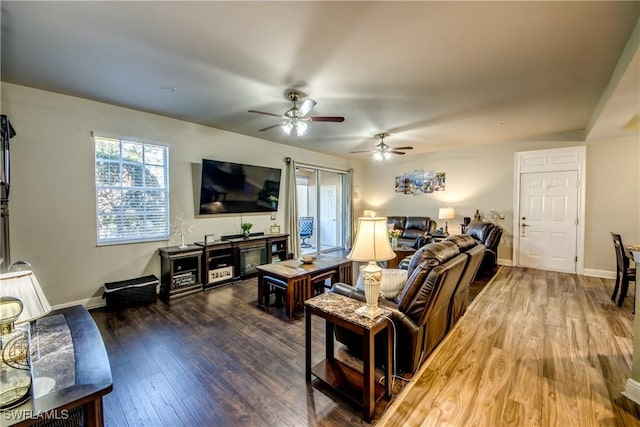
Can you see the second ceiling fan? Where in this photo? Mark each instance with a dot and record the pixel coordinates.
(382, 151)
(295, 118)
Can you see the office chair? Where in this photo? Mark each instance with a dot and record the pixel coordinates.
(306, 230)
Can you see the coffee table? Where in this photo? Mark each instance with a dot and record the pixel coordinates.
(401, 253)
(296, 278)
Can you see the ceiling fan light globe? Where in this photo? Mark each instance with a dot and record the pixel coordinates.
(378, 156)
(287, 127)
(301, 128)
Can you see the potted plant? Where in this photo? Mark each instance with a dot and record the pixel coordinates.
(394, 234)
(246, 229)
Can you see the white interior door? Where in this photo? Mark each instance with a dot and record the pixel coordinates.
(328, 215)
(548, 220)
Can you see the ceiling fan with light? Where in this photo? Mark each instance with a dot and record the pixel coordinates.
(295, 118)
(382, 151)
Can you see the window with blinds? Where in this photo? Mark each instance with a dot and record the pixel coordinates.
(132, 191)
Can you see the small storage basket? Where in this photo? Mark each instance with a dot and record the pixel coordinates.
(132, 292)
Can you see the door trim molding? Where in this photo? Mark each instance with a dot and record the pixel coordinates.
(552, 160)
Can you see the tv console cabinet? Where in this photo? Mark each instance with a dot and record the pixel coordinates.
(180, 271)
(217, 263)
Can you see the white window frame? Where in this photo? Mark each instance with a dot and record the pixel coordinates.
(159, 217)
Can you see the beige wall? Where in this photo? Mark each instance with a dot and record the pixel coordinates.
(483, 178)
(52, 204)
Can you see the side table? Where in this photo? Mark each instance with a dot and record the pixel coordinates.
(401, 253)
(360, 388)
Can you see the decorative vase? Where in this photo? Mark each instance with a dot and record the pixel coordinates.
(182, 244)
(246, 233)
(394, 243)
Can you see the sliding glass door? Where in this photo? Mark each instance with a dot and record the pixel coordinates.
(321, 209)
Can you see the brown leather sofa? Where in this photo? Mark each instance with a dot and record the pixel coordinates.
(488, 234)
(474, 252)
(412, 228)
(421, 311)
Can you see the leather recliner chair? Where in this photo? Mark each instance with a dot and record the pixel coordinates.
(412, 228)
(420, 313)
(489, 234)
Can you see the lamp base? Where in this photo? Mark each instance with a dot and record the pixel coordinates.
(369, 311)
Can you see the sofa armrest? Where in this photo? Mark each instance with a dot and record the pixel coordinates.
(348, 291)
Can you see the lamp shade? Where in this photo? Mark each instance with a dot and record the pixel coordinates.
(446, 213)
(372, 241)
(24, 286)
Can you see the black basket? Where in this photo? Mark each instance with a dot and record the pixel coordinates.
(132, 292)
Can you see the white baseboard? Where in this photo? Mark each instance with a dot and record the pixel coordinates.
(605, 274)
(632, 390)
(89, 303)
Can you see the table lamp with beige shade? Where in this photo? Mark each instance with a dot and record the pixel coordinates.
(446, 213)
(371, 245)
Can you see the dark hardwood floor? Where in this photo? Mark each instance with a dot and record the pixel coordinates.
(214, 359)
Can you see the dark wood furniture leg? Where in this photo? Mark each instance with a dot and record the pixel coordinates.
(368, 398)
(262, 298)
(307, 345)
(290, 304)
(94, 416)
(390, 361)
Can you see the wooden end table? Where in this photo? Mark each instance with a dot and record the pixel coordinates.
(360, 388)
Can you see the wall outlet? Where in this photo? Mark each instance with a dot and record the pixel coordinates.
(273, 217)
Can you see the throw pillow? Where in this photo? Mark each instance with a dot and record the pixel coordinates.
(393, 281)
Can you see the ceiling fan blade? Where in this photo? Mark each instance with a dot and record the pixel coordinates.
(268, 114)
(397, 152)
(361, 151)
(271, 127)
(306, 106)
(327, 119)
(403, 148)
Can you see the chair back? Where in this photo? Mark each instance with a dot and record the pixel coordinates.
(622, 262)
(306, 226)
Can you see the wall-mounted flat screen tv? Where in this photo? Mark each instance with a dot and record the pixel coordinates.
(238, 188)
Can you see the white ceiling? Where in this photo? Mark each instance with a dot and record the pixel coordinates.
(435, 75)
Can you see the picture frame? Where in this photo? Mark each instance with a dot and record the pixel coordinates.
(274, 229)
(209, 239)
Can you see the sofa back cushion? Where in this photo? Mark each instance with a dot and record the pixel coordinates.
(463, 241)
(428, 271)
(415, 227)
(480, 230)
(493, 240)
